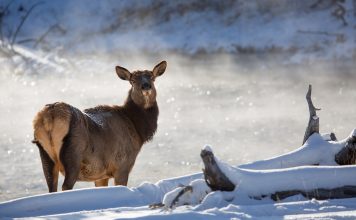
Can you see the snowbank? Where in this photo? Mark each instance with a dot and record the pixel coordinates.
(92, 199)
(128, 203)
(315, 151)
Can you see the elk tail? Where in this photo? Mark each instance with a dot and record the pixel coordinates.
(51, 125)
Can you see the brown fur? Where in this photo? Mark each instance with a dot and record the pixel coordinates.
(98, 143)
(51, 125)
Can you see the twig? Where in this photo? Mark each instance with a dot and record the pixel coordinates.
(319, 33)
(26, 41)
(1, 21)
(181, 193)
(42, 37)
(339, 37)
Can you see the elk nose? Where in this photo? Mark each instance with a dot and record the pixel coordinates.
(146, 86)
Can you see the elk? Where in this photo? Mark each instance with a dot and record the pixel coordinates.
(98, 143)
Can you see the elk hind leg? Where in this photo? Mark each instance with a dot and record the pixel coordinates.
(70, 157)
(50, 169)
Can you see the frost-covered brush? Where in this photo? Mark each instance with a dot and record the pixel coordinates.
(98, 143)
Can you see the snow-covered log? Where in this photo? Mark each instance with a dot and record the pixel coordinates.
(317, 149)
(320, 182)
(312, 170)
(293, 173)
(320, 194)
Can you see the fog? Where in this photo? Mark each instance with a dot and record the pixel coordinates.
(245, 110)
(237, 76)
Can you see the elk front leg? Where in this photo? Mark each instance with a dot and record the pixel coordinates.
(50, 169)
(121, 177)
(102, 182)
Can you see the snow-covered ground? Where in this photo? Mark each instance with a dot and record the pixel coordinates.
(236, 79)
(128, 203)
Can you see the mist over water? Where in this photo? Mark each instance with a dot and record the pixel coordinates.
(245, 110)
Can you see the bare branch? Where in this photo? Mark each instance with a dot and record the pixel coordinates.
(2, 16)
(14, 36)
(41, 38)
(26, 41)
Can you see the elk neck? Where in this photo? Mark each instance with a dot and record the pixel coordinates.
(144, 119)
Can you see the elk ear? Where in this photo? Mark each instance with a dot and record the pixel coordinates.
(123, 73)
(159, 69)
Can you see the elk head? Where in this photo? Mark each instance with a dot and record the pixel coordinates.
(143, 91)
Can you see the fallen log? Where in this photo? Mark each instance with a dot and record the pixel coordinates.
(347, 155)
(319, 182)
(316, 150)
(319, 194)
(313, 170)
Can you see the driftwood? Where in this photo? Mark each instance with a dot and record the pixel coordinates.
(217, 180)
(320, 194)
(184, 190)
(213, 176)
(313, 124)
(216, 176)
(294, 173)
(347, 155)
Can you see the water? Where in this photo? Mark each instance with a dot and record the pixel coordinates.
(245, 111)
